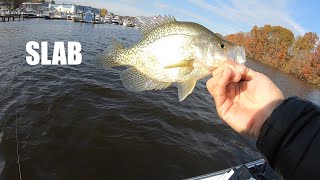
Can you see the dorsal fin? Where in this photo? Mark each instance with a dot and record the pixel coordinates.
(146, 24)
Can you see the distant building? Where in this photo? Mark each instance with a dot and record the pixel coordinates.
(64, 8)
(85, 9)
(73, 9)
(33, 6)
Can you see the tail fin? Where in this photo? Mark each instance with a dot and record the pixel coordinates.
(111, 57)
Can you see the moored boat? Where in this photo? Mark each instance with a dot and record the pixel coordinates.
(88, 17)
(30, 12)
(115, 20)
(107, 19)
(127, 22)
(76, 18)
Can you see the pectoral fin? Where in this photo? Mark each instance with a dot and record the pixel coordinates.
(184, 63)
(135, 81)
(185, 88)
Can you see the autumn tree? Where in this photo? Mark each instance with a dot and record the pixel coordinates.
(307, 42)
(276, 46)
(103, 12)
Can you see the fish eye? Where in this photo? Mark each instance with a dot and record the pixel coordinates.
(221, 45)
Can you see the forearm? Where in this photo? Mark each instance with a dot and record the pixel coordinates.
(290, 139)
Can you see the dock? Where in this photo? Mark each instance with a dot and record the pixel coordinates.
(13, 17)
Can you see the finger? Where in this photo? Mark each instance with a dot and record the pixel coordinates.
(236, 75)
(236, 67)
(248, 74)
(219, 92)
(224, 74)
(212, 82)
(218, 71)
(231, 90)
(217, 75)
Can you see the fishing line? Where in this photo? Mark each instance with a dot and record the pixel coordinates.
(5, 123)
(8, 92)
(18, 157)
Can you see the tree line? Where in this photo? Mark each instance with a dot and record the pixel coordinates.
(278, 47)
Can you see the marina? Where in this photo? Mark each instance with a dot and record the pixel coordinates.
(13, 17)
(52, 11)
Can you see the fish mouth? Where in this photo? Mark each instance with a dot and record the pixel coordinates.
(237, 54)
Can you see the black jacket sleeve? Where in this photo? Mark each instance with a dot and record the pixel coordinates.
(290, 139)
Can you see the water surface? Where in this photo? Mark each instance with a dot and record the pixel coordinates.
(79, 122)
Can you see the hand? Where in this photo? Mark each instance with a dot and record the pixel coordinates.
(244, 98)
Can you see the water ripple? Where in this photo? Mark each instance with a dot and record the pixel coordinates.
(81, 117)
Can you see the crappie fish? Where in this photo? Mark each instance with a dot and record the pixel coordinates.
(170, 52)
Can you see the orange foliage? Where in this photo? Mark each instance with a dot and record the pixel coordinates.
(276, 46)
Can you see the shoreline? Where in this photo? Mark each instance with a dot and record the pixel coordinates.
(317, 86)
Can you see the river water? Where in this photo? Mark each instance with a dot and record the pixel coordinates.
(79, 122)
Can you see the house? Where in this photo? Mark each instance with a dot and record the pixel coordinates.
(73, 9)
(64, 8)
(85, 9)
(33, 6)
